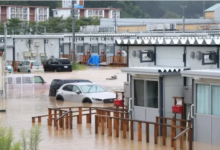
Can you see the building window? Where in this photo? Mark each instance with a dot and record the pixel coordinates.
(139, 93)
(106, 29)
(146, 93)
(95, 13)
(12, 16)
(24, 17)
(41, 17)
(100, 12)
(25, 10)
(89, 12)
(80, 49)
(12, 10)
(40, 11)
(94, 49)
(45, 10)
(110, 49)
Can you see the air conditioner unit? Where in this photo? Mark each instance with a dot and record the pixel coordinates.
(34, 54)
(27, 54)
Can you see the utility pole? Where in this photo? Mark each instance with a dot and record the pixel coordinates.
(5, 47)
(115, 21)
(183, 8)
(73, 31)
(203, 9)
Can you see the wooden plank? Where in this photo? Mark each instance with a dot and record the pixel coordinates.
(147, 133)
(139, 131)
(87, 118)
(190, 140)
(60, 121)
(174, 144)
(164, 135)
(181, 142)
(127, 117)
(122, 116)
(131, 130)
(114, 120)
(90, 115)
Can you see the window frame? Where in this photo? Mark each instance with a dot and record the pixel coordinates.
(145, 80)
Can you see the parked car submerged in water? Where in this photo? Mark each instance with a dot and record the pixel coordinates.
(31, 66)
(57, 65)
(85, 92)
(57, 83)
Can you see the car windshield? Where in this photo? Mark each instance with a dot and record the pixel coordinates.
(37, 63)
(92, 88)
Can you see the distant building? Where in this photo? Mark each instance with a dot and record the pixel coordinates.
(213, 12)
(88, 12)
(68, 3)
(25, 13)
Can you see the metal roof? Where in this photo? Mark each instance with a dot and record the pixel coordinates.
(88, 35)
(37, 36)
(154, 70)
(213, 8)
(202, 73)
(170, 41)
(151, 21)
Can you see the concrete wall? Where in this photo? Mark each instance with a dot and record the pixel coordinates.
(217, 14)
(169, 56)
(197, 64)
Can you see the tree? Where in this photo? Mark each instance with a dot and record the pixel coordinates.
(171, 15)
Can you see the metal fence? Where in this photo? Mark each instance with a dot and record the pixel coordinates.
(19, 85)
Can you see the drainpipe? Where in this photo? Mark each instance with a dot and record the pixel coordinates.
(155, 54)
(218, 57)
(161, 101)
(59, 47)
(14, 54)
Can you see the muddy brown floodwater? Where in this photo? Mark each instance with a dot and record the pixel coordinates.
(20, 109)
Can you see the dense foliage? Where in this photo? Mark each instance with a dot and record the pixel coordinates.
(52, 25)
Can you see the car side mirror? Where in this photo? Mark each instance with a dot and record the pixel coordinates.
(78, 92)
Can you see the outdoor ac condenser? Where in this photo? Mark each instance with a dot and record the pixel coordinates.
(27, 54)
(187, 93)
(127, 92)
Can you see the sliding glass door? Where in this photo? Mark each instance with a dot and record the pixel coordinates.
(207, 113)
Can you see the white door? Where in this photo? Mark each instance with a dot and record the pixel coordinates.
(67, 92)
(76, 96)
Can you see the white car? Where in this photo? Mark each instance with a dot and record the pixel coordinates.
(84, 92)
(31, 66)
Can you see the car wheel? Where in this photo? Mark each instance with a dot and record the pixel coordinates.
(59, 97)
(87, 100)
(18, 70)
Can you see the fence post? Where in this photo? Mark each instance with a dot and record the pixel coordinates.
(102, 124)
(127, 117)
(174, 144)
(67, 120)
(147, 132)
(39, 119)
(71, 119)
(33, 120)
(96, 123)
(49, 117)
(190, 140)
(109, 126)
(132, 130)
(55, 118)
(122, 121)
(155, 133)
(189, 126)
(60, 121)
(124, 128)
(90, 115)
(117, 127)
(114, 114)
(80, 116)
(172, 134)
(157, 121)
(139, 131)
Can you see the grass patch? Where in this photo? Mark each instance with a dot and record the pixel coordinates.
(76, 66)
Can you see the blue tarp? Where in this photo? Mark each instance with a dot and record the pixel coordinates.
(94, 60)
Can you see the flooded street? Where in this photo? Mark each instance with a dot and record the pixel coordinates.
(19, 111)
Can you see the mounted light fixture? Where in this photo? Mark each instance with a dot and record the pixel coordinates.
(209, 58)
(192, 55)
(198, 55)
(134, 53)
(147, 56)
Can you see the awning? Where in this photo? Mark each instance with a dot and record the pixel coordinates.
(202, 73)
(154, 70)
(170, 41)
